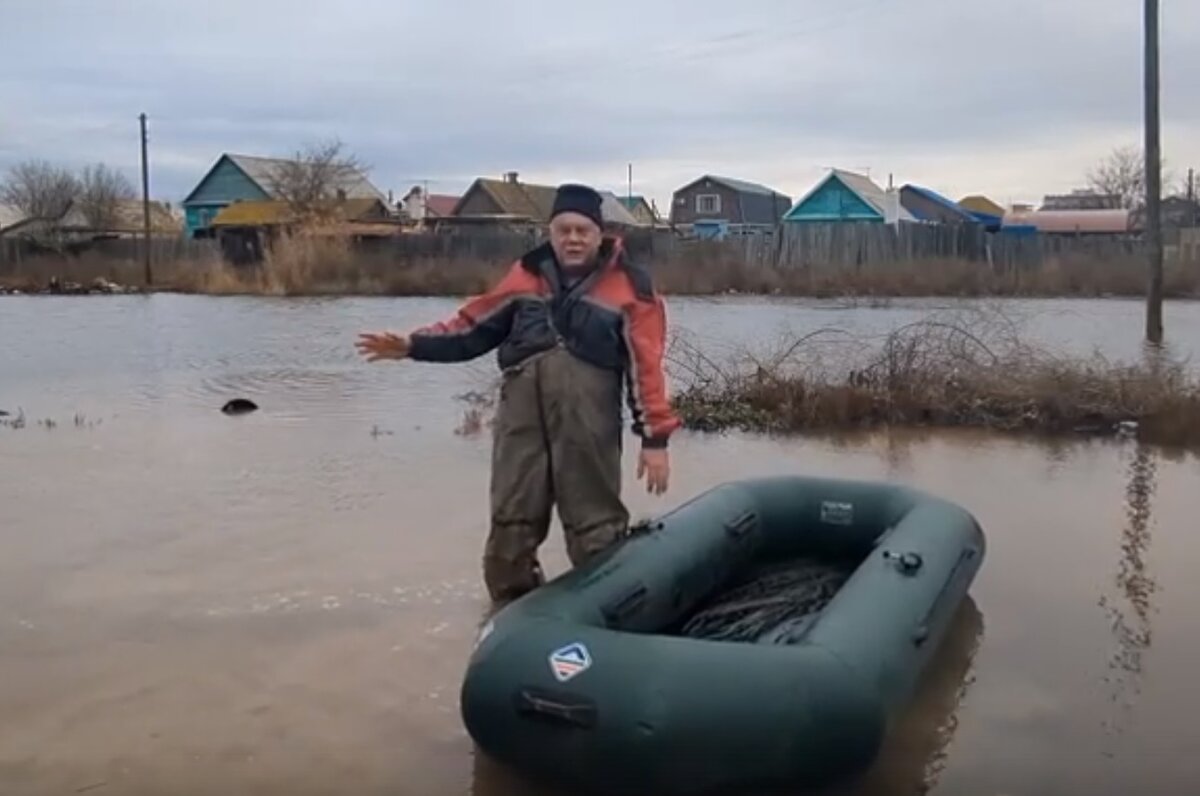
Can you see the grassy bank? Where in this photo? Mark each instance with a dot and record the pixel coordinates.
(941, 372)
(315, 266)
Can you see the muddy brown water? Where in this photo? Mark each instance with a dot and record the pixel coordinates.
(282, 602)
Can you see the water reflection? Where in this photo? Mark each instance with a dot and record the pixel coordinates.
(913, 756)
(1130, 609)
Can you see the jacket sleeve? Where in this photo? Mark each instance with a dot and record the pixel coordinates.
(479, 325)
(649, 403)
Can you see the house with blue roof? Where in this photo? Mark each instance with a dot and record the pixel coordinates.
(238, 178)
(930, 207)
(844, 196)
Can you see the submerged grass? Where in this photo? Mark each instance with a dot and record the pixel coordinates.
(972, 369)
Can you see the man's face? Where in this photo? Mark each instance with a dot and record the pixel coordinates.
(575, 238)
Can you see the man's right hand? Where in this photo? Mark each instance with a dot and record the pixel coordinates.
(384, 345)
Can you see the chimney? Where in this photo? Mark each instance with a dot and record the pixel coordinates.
(510, 177)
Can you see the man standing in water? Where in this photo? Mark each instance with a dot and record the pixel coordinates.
(574, 321)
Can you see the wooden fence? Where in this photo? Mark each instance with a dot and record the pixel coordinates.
(863, 246)
(791, 246)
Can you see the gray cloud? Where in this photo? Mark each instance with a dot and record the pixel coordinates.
(1013, 99)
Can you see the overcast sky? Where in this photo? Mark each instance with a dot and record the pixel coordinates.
(1013, 99)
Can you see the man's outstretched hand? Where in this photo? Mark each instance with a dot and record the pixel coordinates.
(655, 464)
(384, 345)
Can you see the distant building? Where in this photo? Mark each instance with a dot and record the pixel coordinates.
(931, 207)
(1081, 199)
(847, 196)
(520, 203)
(421, 206)
(1074, 222)
(985, 211)
(126, 220)
(245, 229)
(714, 206)
(642, 210)
(239, 178)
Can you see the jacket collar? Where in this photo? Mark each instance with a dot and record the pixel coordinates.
(612, 252)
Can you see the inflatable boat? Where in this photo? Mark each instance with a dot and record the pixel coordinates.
(765, 633)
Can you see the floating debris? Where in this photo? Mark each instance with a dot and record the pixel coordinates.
(239, 406)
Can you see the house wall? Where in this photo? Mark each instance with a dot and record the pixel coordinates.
(642, 212)
(684, 209)
(833, 201)
(222, 186)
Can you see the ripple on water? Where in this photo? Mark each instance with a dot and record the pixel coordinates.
(333, 392)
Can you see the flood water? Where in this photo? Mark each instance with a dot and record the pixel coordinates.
(282, 602)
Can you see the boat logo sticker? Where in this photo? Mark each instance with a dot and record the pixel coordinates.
(568, 661)
(835, 513)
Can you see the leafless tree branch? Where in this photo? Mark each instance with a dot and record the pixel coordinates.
(316, 176)
(101, 190)
(39, 189)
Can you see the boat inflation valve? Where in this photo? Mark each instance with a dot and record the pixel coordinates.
(907, 563)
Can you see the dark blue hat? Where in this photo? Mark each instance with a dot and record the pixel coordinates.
(578, 199)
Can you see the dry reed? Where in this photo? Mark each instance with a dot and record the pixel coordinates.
(310, 263)
(969, 370)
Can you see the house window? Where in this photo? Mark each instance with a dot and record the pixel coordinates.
(708, 203)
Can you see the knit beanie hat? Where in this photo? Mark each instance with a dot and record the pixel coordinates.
(578, 199)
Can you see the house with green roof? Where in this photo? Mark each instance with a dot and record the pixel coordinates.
(642, 210)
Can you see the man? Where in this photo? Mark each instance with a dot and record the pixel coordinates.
(574, 322)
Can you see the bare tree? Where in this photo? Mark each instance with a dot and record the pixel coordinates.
(1123, 174)
(317, 175)
(39, 189)
(101, 190)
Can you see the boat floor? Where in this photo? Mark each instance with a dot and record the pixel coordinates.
(772, 604)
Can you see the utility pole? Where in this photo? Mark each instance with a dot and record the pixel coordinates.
(631, 186)
(146, 203)
(1154, 299)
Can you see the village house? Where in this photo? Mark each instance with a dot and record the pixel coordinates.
(845, 196)
(246, 229)
(713, 207)
(1073, 222)
(984, 210)
(240, 178)
(929, 206)
(512, 202)
(1081, 199)
(420, 206)
(643, 211)
(124, 219)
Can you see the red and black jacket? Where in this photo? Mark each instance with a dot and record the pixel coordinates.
(611, 318)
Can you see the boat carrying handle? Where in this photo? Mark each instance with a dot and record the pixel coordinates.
(621, 609)
(558, 708)
(741, 525)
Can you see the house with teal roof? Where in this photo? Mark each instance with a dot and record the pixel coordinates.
(844, 196)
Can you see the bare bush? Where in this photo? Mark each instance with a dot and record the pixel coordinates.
(969, 369)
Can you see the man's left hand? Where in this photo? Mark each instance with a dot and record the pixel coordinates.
(655, 464)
